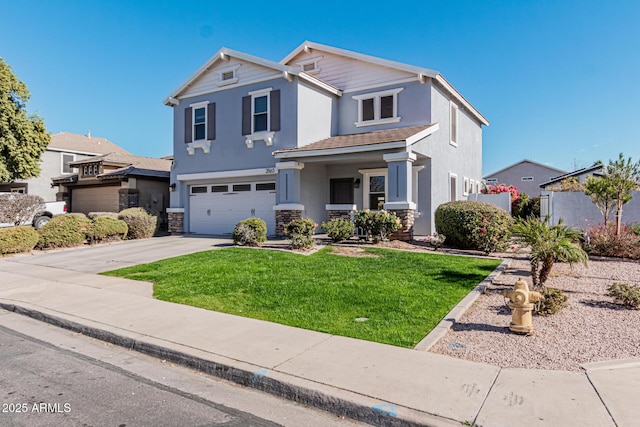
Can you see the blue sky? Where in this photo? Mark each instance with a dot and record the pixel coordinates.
(558, 80)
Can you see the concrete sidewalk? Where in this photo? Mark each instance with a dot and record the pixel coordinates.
(375, 383)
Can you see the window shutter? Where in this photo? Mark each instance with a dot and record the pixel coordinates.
(246, 115)
(211, 121)
(188, 126)
(275, 110)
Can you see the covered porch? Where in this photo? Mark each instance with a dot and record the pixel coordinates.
(339, 175)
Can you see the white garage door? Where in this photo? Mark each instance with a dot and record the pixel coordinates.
(216, 209)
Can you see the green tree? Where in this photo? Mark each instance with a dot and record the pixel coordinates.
(623, 176)
(548, 244)
(602, 195)
(23, 137)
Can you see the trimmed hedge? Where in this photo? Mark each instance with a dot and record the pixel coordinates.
(474, 225)
(300, 232)
(250, 232)
(140, 223)
(338, 229)
(64, 231)
(106, 229)
(15, 240)
(94, 215)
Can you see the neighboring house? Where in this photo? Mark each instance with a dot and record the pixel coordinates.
(321, 133)
(63, 149)
(527, 175)
(116, 181)
(581, 175)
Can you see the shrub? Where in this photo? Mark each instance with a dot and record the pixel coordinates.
(106, 229)
(526, 207)
(474, 225)
(377, 225)
(300, 232)
(627, 295)
(140, 223)
(601, 240)
(554, 300)
(338, 229)
(17, 209)
(14, 240)
(64, 231)
(250, 232)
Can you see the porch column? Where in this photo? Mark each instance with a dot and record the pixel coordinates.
(400, 191)
(288, 191)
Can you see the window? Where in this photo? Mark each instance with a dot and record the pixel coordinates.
(453, 122)
(266, 186)
(341, 191)
(260, 113)
(378, 108)
(18, 190)
(241, 187)
(219, 188)
(377, 191)
(527, 178)
(199, 123)
(453, 187)
(492, 180)
(66, 159)
(466, 186)
(199, 189)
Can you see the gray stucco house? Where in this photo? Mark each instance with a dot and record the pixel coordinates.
(319, 134)
(527, 175)
(63, 149)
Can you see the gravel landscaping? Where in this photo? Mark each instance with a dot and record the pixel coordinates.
(591, 329)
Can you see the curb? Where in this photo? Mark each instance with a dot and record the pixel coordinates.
(459, 310)
(324, 397)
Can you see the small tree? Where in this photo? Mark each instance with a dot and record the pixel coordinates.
(602, 195)
(623, 176)
(17, 209)
(23, 137)
(548, 244)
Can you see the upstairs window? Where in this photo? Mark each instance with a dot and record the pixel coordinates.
(199, 123)
(378, 108)
(260, 113)
(66, 159)
(453, 122)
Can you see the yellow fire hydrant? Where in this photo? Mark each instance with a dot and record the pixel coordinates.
(521, 301)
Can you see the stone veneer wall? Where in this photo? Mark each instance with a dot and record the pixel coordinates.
(176, 222)
(284, 217)
(339, 214)
(407, 217)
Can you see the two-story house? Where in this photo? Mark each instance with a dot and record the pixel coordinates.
(320, 134)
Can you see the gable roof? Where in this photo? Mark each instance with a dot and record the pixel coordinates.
(596, 168)
(559, 171)
(120, 159)
(73, 142)
(376, 140)
(420, 72)
(224, 53)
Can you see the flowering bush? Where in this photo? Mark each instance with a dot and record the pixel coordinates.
(338, 229)
(300, 232)
(250, 232)
(377, 225)
(602, 240)
(435, 240)
(474, 225)
(502, 188)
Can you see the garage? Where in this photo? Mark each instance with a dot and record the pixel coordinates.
(95, 199)
(217, 208)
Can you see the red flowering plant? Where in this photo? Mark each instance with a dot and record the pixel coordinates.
(503, 188)
(601, 240)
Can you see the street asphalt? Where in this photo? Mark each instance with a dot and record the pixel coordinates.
(370, 382)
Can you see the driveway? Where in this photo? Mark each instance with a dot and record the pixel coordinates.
(99, 258)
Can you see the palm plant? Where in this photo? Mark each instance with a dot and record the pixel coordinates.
(548, 244)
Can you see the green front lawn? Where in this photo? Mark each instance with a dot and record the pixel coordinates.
(402, 294)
